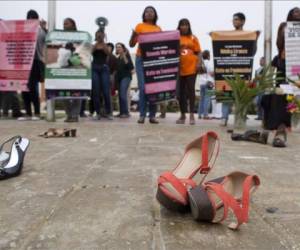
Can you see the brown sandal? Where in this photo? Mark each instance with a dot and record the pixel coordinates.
(59, 132)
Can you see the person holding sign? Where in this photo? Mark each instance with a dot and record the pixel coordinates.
(189, 52)
(72, 107)
(275, 105)
(148, 25)
(37, 74)
(293, 16)
(238, 22)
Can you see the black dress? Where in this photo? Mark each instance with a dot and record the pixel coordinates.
(275, 106)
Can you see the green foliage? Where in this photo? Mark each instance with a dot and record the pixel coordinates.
(244, 92)
(292, 81)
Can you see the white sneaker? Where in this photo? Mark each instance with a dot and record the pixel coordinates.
(24, 118)
(35, 118)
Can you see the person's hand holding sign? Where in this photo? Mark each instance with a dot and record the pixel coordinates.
(133, 38)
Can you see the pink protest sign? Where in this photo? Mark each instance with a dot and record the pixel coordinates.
(17, 48)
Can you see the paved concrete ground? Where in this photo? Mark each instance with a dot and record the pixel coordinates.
(97, 191)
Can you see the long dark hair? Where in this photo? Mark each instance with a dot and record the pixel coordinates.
(290, 17)
(155, 14)
(71, 21)
(123, 47)
(184, 21)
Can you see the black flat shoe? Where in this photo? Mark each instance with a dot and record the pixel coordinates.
(141, 120)
(280, 138)
(11, 163)
(153, 121)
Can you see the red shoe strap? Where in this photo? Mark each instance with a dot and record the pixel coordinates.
(204, 168)
(206, 158)
(179, 184)
(240, 208)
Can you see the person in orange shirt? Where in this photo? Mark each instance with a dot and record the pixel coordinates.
(189, 60)
(148, 25)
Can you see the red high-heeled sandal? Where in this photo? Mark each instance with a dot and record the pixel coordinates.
(172, 186)
(211, 202)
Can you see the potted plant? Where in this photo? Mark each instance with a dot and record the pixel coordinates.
(244, 92)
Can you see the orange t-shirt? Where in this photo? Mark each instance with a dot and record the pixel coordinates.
(145, 28)
(189, 45)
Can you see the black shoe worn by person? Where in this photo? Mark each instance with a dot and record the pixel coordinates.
(83, 115)
(162, 115)
(17, 115)
(73, 119)
(280, 138)
(153, 120)
(141, 120)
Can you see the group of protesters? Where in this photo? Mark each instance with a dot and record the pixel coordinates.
(113, 71)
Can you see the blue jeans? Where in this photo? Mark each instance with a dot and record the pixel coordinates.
(143, 100)
(123, 100)
(101, 85)
(259, 107)
(204, 101)
(226, 110)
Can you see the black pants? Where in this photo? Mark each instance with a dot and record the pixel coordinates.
(82, 108)
(36, 76)
(9, 101)
(187, 92)
(275, 112)
(72, 108)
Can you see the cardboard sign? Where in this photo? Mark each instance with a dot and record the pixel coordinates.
(160, 55)
(17, 48)
(68, 64)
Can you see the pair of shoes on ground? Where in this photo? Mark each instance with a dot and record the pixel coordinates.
(152, 120)
(99, 117)
(14, 115)
(181, 120)
(28, 118)
(205, 117)
(11, 161)
(59, 132)
(122, 115)
(279, 140)
(181, 190)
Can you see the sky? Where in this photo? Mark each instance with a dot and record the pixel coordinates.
(205, 16)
